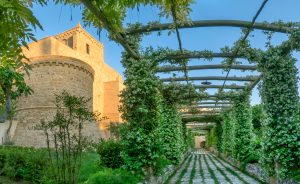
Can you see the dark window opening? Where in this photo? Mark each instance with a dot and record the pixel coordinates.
(87, 48)
(70, 42)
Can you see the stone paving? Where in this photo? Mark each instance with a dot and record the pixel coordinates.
(209, 170)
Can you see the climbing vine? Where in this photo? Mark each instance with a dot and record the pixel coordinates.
(172, 134)
(279, 91)
(155, 129)
(243, 127)
(141, 108)
(228, 133)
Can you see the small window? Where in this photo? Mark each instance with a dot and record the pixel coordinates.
(70, 42)
(87, 48)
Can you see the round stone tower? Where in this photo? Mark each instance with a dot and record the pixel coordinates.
(50, 75)
(72, 61)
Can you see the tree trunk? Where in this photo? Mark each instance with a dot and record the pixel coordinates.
(8, 105)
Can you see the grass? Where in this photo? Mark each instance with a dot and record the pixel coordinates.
(220, 170)
(183, 171)
(211, 172)
(175, 171)
(193, 172)
(201, 169)
(89, 165)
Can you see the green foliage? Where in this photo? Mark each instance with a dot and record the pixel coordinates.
(32, 165)
(16, 20)
(110, 153)
(19, 163)
(257, 116)
(117, 129)
(90, 165)
(219, 140)
(279, 90)
(179, 94)
(208, 118)
(249, 159)
(64, 133)
(190, 139)
(161, 164)
(109, 176)
(228, 133)
(115, 12)
(244, 136)
(171, 133)
(141, 107)
(211, 138)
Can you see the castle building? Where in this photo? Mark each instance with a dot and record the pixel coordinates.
(72, 61)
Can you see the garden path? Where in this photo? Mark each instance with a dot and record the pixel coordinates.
(202, 167)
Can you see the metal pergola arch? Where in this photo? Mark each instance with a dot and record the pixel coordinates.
(215, 98)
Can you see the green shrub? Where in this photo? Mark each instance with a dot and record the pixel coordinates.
(23, 163)
(296, 175)
(109, 176)
(110, 153)
(161, 164)
(251, 158)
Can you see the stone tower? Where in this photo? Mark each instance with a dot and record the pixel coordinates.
(72, 61)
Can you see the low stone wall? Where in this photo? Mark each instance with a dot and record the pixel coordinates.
(256, 170)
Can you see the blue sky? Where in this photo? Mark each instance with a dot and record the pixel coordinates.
(58, 18)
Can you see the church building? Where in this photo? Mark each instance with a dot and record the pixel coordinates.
(72, 61)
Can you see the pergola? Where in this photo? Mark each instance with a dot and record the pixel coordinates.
(213, 103)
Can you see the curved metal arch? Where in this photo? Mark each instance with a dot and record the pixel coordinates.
(205, 67)
(248, 78)
(211, 23)
(219, 86)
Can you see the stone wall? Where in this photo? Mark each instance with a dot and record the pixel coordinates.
(79, 68)
(50, 76)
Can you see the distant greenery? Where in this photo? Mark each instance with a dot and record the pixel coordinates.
(258, 115)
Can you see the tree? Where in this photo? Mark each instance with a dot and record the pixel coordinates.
(64, 138)
(15, 21)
